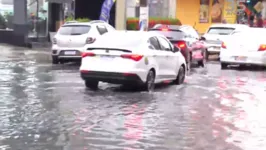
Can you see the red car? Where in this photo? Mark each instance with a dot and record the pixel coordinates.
(187, 39)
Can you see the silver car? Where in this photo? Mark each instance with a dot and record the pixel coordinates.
(69, 41)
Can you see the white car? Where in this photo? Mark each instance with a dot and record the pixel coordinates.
(217, 33)
(244, 48)
(71, 38)
(132, 58)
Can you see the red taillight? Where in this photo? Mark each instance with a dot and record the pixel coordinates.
(90, 40)
(87, 54)
(134, 57)
(262, 47)
(181, 44)
(223, 45)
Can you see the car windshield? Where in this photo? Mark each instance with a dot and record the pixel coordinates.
(171, 34)
(74, 29)
(220, 30)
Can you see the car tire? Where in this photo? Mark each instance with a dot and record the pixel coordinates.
(207, 55)
(150, 81)
(91, 84)
(180, 78)
(189, 59)
(224, 66)
(55, 60)
(202, 62)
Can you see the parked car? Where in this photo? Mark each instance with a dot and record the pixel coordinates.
(71, 38)
(187, 39)
(244, 48)
(217, 33)
(132, 58)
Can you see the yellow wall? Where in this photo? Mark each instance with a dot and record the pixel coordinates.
(187, 11)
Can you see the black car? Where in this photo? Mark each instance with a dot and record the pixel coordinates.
(187, 39)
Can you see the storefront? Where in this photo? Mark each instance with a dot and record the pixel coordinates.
(202, 13)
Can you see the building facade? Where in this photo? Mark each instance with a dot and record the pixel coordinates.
(202, 13)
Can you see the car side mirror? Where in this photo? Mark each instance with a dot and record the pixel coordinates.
(176, 49)
(202, 38)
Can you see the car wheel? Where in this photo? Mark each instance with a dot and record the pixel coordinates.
(189, 59)
(207, 55)
(224, 66)
(93, 85)
(202, 62)
(180, 76)
(150, 81)
(55, 60)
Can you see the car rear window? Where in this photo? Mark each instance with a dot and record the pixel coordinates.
(220, 30)
(171, 34)
(74, 29)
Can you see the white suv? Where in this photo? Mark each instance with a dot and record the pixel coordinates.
(69, 41)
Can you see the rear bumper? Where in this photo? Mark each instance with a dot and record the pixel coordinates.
(111, 77)
(252, 58)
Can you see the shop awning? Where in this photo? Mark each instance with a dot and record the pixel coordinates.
(59, 1)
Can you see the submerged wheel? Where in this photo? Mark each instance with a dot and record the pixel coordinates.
(202, 62)
(180, 76)
(150, 81)
(55, 60)
(93, 85)
(224, 65)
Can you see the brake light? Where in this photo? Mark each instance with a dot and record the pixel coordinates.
(90, 40)
(181, 44)
(87, 54)
(223, 45)
(134, 57)
(262, 47)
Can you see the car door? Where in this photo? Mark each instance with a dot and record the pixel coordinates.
(169, 59)
(158, 56)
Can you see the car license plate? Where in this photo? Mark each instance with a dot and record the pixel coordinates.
(70, 52)
(107, 58)
(241, 58)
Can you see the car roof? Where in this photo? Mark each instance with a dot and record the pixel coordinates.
(226, 25)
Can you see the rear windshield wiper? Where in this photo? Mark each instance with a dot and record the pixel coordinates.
(110, 49)
(75, 34)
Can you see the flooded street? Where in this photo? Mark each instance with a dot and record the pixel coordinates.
(47, 107)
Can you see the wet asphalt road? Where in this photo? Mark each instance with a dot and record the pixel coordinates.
(46, 107)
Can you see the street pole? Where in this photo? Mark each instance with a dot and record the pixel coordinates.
(143, 15)
(37, 17)
(120, 15)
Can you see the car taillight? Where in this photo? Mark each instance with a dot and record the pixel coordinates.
(54, 41)
(223, 45)
(134, 57)
(262, 47)
(90, 40)
(181, 44)
(87, 54)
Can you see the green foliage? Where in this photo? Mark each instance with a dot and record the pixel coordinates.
(83, 19)
(133, 23)
(78, 19)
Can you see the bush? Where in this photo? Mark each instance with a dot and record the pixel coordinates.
(78, 19)
(133, 23)
(83, 19)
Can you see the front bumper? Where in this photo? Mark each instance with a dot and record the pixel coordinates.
(111, 77)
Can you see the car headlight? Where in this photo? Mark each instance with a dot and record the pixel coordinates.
(54, 41)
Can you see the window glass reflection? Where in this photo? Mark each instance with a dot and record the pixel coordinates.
(6, 14)
(37, 18)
